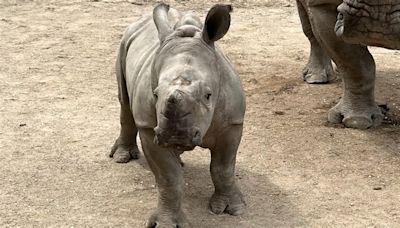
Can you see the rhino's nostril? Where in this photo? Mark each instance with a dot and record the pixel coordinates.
(340, 16)
(197, 138)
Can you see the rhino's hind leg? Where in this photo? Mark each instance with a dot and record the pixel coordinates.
(227, 196)
(319, 68)
(357, 107)
(125, 147)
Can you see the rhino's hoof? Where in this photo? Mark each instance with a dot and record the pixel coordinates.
(124, 153)
(370, 117)
(314, 75)
(359, 122)
(166, 220)
(232, 204)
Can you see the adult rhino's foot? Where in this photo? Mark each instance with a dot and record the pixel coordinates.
(318, 73)
(232, 203)
(160, 219)
(353, 116)
(122, 153)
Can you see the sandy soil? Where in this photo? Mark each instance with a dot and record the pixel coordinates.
(59, 118)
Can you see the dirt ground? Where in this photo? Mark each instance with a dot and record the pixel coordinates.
(59, 116)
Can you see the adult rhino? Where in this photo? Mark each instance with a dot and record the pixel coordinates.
(361, 23)
(179, 91)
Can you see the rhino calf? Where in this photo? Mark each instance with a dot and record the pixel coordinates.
(179, 91)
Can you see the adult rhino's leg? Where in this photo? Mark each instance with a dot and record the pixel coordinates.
(125, 147)
(319, 67)
(357, 107)
(166, 167)
(227, 196)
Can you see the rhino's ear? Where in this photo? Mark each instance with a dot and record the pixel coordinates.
(160, 17)
(217, 23)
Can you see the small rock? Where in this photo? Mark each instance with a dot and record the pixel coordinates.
(22, 124)
(377, 188)
(135, 3)
(253, 81)
(279, 113)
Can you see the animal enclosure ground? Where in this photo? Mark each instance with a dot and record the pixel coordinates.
(59, 116)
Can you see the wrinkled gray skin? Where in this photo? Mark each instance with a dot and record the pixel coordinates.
(357, 107)
(178, 90)
(369, 22)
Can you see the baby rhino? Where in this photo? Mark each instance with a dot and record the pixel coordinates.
(179, 91)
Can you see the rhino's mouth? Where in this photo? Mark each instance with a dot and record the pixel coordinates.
(180, 139)
(182, 148)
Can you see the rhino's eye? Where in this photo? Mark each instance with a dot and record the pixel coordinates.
(208, 96)
(155, 93)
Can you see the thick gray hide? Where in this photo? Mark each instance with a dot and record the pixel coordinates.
(369, 22)
(178, 90)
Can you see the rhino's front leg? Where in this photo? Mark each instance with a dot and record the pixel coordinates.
(125, 147)
(167, 169)
(357, 107)
(227, 196)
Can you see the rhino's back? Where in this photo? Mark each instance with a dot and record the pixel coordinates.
(141, 44)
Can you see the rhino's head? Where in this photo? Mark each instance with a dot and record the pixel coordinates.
(186, 79)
